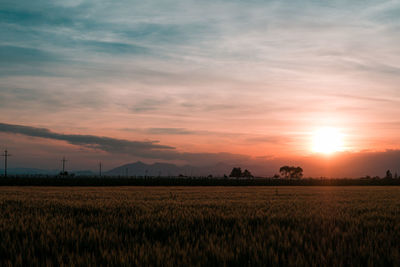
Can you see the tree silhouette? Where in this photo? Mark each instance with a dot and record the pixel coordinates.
(291, 172)
(236, 172)
(389, 174)
(285, 171)
(297, 173)
(247, 174)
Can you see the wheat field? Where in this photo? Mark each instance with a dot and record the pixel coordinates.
(200, 226)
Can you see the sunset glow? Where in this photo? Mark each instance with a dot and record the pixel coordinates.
(205, 82)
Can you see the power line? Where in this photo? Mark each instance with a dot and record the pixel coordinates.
(5, 155)
(63, 165)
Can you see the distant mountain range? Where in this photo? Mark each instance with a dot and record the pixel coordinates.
(167, 169)
(141, 169)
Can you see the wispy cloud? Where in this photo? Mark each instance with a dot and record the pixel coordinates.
(365, 98)
(144, 149)
(98, 142)
(164, 131)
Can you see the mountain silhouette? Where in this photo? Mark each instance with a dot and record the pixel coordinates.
(167, 169)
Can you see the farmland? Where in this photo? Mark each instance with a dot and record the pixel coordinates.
(319, 225)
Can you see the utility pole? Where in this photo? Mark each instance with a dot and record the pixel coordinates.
(5, 155)
(63, 165)
(100, 168)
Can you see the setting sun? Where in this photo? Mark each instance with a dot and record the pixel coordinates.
(327, 140)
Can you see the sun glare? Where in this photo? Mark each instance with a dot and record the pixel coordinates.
(327, 140)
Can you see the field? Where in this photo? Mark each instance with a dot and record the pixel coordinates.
(206, 226)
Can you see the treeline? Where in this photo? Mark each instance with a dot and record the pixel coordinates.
(186, 181)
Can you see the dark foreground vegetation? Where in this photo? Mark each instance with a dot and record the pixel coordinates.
(200, 226)
(185, 181)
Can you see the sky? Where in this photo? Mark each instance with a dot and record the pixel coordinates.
(200, 82)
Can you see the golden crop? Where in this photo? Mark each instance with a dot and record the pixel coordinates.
(207, 226)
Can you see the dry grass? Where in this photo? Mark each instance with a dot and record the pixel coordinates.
(200, 226)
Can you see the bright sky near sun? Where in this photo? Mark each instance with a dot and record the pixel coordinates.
(258, 79)
(327, 140)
